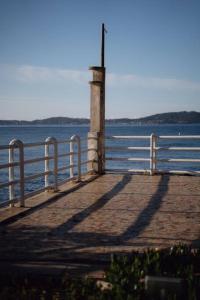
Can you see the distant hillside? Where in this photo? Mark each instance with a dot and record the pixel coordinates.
(182, 117)
(48, 121)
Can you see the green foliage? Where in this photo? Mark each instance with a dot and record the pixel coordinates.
(126, 275)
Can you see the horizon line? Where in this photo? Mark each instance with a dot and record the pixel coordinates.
(106, 119)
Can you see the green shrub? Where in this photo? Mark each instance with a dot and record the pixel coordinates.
(126, 275)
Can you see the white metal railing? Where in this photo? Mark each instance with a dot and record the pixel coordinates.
(16, 149)
(153, 145)
(154, 149)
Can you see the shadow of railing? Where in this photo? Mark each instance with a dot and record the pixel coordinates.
(146, 215)
(99, 203)
(61, 245)
(51, 199)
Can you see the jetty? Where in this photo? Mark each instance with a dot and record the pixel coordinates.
(74, 226)
(78, 228)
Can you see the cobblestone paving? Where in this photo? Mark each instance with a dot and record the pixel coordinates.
(111, 214)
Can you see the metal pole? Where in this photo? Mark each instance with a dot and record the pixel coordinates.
(154, 153)
(79, 157)
(151, 154)
(21, 168)
(19, 144)
(75, 139)
(11, 172)
(71, 157)
(102, 44)
(51, 140)
(55, 164)
(46, 177)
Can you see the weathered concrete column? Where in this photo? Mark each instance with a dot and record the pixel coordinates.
(97, 121)
(93, 140)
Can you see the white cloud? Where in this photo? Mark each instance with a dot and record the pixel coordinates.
(130, 80)
(35, 74)
(31, 73)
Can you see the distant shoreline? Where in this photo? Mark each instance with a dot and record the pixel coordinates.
(107, 125)
(172, 118)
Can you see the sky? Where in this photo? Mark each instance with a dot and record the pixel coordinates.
(46, 47)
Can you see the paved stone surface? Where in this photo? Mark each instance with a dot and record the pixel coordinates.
(110, 214)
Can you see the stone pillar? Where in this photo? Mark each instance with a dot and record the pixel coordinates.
(97, 121)
(93, 165)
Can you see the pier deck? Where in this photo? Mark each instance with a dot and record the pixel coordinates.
(80, 226)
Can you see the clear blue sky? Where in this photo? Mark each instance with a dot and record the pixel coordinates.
(152, 56)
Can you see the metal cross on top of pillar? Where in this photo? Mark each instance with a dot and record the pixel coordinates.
(96, 144)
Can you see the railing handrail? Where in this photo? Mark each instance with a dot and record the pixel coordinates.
(127, 137)
(179, 137)
(75, 140)
(148, 136)
(30, 145)
(21, 162)
(153, 149)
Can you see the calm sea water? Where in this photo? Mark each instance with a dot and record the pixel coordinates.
(40, 133)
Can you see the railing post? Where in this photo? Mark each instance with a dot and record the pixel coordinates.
(55, 165)
(155, 153)
(79, 157)
(19, 144)
(71, 157)
(46, 168)
(75, 139)
(152, 154)
(21, 159)
(53, 141)
(11, 173)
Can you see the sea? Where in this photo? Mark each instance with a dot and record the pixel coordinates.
(31, 134)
